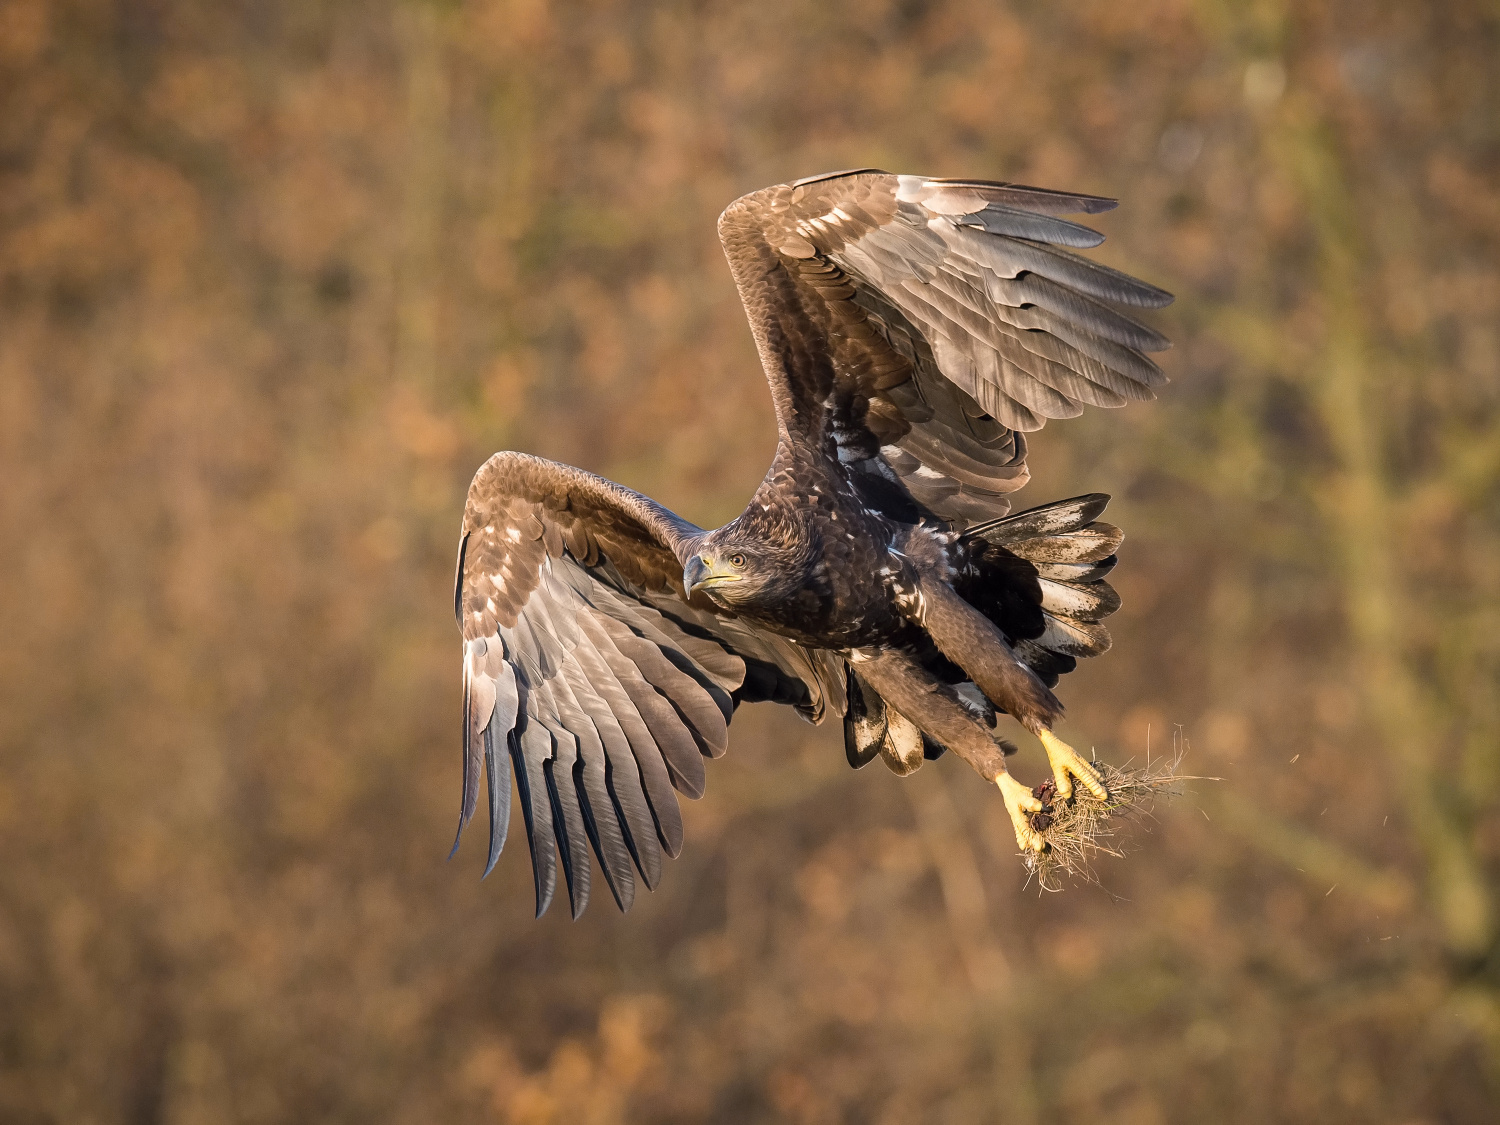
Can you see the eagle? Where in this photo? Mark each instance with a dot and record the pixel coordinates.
(913, 331)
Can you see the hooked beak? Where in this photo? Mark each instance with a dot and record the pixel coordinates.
(701, 573)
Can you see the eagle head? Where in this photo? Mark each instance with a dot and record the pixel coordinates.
(744, 568)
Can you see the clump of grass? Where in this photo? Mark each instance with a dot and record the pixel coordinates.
(1079, 830)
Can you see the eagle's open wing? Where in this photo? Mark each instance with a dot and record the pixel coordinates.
(582, 659)
(923, 325)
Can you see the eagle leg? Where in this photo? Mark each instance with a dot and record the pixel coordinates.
(939, 712)
(1066, 765)
(1021, 802)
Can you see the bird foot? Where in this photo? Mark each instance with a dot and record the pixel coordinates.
(1020, 802)
(1066, 765)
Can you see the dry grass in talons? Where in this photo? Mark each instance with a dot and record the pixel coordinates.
(1077, 831)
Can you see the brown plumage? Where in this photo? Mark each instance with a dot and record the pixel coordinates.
(911, 330)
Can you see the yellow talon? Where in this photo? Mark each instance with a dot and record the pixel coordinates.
(1019, 802)
(1066, 765)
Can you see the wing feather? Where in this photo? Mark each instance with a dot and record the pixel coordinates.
(655, 776)
(997, 218)
(602, 828)
(606, 702)
(529, 754)
(675, 737)
(567, 816)
(499, 789)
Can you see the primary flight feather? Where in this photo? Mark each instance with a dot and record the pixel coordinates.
(912, 330)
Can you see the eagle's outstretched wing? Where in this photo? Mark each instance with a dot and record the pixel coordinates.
(585, 663)
(923, 325)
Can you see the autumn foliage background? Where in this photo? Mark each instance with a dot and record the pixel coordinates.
(277, 275)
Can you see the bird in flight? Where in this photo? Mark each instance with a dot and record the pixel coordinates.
(913, 330)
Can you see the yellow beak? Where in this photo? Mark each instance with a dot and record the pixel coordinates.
(701, 573)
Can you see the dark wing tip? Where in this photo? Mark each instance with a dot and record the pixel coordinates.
(821, 176)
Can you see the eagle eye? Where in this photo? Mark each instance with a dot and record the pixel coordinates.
(736, 560)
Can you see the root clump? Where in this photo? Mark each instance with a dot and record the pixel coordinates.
(1080, 829)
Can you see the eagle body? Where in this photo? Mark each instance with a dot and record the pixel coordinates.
(912, 331)
(828, 550)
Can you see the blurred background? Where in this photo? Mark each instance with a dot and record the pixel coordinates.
(277, 275)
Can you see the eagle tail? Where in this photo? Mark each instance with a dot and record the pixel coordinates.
(1071, 552)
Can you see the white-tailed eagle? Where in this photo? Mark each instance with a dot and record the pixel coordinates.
(912, 330)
